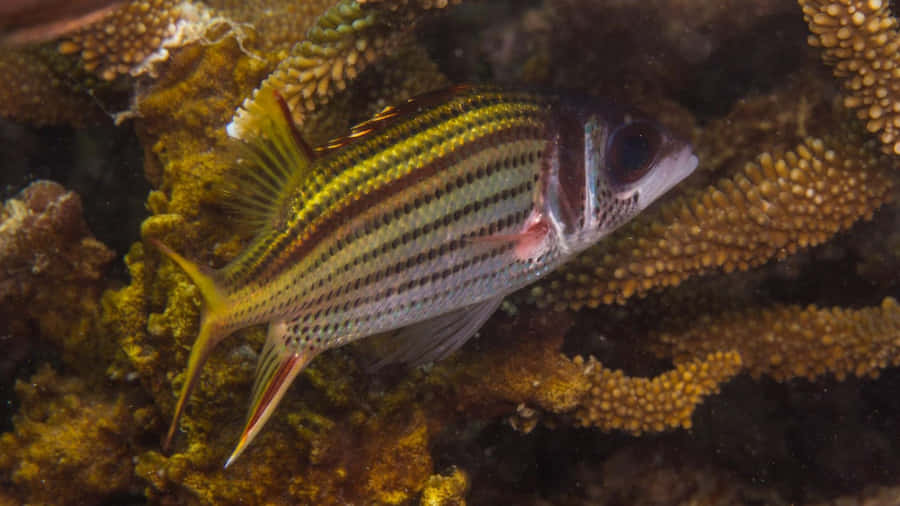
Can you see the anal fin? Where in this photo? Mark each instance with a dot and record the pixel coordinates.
(435, 338)
(277, 367)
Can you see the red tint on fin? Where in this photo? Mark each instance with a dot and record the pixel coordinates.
(278, 366)
(392, 114)
(289, 119)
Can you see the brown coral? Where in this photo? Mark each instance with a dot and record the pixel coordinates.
(535, 378)
(44, 237)
(33, 92)
(792, 341)
(769, 210)
(639, 405)
(345, 39)
(122, 40)
(860, 39)
(50, 266)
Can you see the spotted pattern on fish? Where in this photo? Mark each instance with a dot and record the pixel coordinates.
(419, 222)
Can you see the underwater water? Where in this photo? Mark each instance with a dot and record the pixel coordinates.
(735, 343)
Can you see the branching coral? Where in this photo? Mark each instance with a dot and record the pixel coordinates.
(769, 210)
(344, 40)
(120, 42)
(639, 405)
(34, 93)
(792, 341)
(278, 24)
(860, 39)
(535, 378)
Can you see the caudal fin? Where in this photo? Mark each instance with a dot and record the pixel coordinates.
(210, 330)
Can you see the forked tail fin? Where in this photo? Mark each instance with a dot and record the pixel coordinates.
(210, 331)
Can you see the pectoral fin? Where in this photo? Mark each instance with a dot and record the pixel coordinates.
(529, 242)
(437, 337)
(278, 366)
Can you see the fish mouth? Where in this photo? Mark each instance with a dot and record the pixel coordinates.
(671, 170)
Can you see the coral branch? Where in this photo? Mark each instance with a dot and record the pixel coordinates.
(790, 341)
(344, 40)
(771, 209)
(120, 42)
(859, 38)
(639, 405)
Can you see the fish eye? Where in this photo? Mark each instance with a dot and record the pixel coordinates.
(631, 150)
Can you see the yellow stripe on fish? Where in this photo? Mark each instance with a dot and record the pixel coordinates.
(419, 222)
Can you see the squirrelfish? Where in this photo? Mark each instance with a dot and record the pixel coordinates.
(419, 223)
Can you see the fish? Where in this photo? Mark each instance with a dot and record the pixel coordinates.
(418, 223)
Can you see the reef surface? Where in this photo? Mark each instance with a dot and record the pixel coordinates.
(735, 344)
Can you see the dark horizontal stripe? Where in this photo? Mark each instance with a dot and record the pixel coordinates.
(291, 256)
(414, 234)
(253, 260)
(398, 268)
(433, 278)
(441, 250)
(374, 224)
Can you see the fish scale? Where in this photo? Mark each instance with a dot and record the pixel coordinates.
(367, 166)
(418, 223)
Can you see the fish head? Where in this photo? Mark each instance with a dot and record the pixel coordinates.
(611, 163)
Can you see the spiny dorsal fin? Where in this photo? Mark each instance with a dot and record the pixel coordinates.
(272, 163)
(391, 114)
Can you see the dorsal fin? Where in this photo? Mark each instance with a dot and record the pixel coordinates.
(271, 163)
(391, 114)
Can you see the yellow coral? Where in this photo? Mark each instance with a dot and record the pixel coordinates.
(769, 210)
(336, 48)
(860, 39)
(534, 378)
(446, 490)
(639, 405)
(791, 341)
(344, 40)
(71, 444)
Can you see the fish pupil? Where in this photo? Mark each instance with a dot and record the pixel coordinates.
(631, 151)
